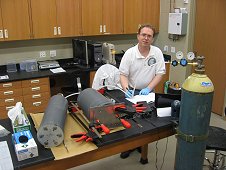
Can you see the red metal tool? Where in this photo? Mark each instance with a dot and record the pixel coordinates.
(82, 137)
(103, 127)
(125, 123)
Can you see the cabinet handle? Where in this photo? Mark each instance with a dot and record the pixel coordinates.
(101, 29)
(59, 31)
(36, 96)
(34, 81)
(37, 103)
(1, 34)
(8, 92)
(6, 33)
(7, 85)
(35, 88)
(104, 28)
(54, 30)
(9, 100)
(9, 107)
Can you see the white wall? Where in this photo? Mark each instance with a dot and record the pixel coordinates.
(184, 44)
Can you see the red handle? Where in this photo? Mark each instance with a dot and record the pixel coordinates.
(81, 138)
(105, 129)
(125, 123)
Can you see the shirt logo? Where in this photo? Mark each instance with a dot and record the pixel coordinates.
(151, 61)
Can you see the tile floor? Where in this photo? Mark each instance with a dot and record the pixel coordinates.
(161, 163)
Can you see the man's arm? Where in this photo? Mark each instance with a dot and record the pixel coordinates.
(124, 82)
(155, 81)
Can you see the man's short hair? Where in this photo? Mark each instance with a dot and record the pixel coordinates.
(147, 26)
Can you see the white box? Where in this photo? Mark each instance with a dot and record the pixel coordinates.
(178, 23)
(24, 144)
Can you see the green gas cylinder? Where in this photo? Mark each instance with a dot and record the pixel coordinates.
(192, 132)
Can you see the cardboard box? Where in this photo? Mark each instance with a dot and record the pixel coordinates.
(24, 144)
(22, 127)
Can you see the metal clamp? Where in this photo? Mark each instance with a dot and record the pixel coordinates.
(190, 138)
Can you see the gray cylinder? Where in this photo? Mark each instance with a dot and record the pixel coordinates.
(50, 132)
(91, 98)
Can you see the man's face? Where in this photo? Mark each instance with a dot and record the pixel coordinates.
(145, 38)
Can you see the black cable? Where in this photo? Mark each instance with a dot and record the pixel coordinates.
(163, 160)
(156, 154)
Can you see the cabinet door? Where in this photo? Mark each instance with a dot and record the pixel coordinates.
(68, 17)
(151, 12)
(44, 18)
(15, 19)
(92, 17)
(1, 26)
(112, 16)
(132, 15)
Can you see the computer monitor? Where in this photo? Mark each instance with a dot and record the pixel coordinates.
(80, 53)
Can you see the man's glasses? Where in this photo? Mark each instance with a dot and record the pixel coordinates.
(146, 36)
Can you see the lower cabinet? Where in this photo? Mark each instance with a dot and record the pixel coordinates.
(33, 93)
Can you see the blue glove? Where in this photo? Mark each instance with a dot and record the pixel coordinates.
(129, 94)
(145, 91)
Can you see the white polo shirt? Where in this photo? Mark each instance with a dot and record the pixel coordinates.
(140, 70)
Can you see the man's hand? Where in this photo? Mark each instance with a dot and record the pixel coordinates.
(129, 93)
(145, 91)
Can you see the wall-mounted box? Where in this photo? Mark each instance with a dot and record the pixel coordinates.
(178, 23)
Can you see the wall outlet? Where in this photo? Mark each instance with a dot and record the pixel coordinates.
(165, 49)
(52, 53)
(42, 54)
(173, 49)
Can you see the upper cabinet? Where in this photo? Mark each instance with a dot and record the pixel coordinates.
(55, 18)
(14, 20)
(102, 17)
(137, 12)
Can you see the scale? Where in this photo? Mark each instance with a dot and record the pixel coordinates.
(48, 64)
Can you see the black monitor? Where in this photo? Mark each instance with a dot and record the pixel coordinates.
(80, 54)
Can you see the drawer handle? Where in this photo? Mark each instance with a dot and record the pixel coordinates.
(9, 100)
(34, 81)
(37, 103)
(9, 107)
(35, 88)
(8, 85)
(36, 96)
(8, 92)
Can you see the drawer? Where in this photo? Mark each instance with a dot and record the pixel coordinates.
(11, 101)
(11, 93)
(35, 107)
(4, 111)
(36, 89)
(35, 82)
(37, 97)
(10, 85)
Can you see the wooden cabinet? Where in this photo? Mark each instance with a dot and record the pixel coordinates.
(138, 12)
(10, 94)
(160, 87)
(102, 17)
(14, 20)
(91, 77)
(55, 18)
(34, 95)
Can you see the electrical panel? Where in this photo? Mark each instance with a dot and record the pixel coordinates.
(178, 23)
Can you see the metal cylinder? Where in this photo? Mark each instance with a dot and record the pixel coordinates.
(192, 132)
(91, 98)
(50, 132)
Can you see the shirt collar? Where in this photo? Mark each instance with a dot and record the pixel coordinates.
(151, 52)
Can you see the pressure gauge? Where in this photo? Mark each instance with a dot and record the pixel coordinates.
(179, 55)
(190, 55)
(183, 62)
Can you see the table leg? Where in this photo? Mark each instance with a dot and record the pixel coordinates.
(144, 154)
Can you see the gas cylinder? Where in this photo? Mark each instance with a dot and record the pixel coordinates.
(192, 131)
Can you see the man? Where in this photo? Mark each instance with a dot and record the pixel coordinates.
(142, 66)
